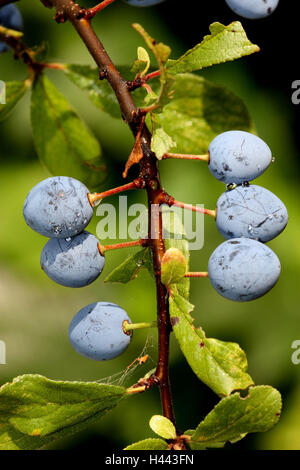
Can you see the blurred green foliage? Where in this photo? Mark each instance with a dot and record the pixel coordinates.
(35, 313)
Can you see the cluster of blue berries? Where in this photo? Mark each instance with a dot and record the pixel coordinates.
(59, 208)
(10, 17)
(243, 268)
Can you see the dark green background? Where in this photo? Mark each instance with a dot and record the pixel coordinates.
(35, 313)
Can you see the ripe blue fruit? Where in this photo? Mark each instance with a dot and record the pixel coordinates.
(143, 3)
(58, 207)
(253, 9)
(251, 212)
(10, 17)
(238, 157)
(242, 269)
(96, 331)
(74, 262)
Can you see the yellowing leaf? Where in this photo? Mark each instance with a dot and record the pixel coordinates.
(173, 266)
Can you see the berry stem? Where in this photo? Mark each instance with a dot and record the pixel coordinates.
(151, 75)
(147, 88)
(191, 275)
(127, 327)
(89, 13)
(96, 197)
(102, 249)
(201, 210)
(183, 156)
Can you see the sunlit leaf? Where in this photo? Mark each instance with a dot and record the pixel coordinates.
(221, 366)
(236, 416)
(35, 410)
(163, 427)
(161, 143)
(225, 43)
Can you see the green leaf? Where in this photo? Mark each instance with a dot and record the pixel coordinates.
(225, 43)
(64, 144)
(163, 427)
(199, 111)
(130, 268)
(236, 416)
(221, 366)
(161, 143)
(149, 444)
(11, 439)
(173, 267)
(182, 304)
(35, 410)
(14, 92)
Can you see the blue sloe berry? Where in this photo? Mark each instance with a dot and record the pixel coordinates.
(10, 17)
(74, 262)
(58, 207)
(238, 157)
(251, 212)
(253, 9)
(242, 269)
(96, 331)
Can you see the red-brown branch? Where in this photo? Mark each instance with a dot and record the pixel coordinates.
(69, 10)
